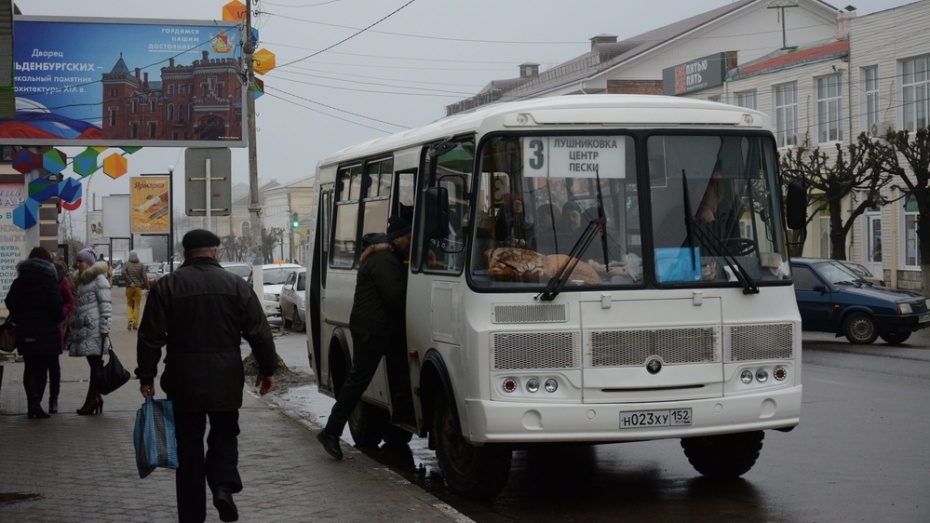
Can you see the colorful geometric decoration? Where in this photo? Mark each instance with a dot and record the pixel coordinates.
(41, 189)
(99, 148)
(115, 165)
(130, 150)
(85, 163)
(258, 87)
(27, 214)
(234, 11)
(71, 206)
(26, 161)
(70, 190)
(263, 61)
(54, 161)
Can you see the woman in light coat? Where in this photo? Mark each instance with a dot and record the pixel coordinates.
(90, 321)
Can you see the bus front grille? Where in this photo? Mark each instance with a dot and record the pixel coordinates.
(536, 350)
(674, 346)
(546, 313)
(761, 342)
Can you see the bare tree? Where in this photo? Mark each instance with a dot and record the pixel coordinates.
(271, 238)
(915, 152)
(856, 167)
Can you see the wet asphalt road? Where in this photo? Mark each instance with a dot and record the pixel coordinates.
(860, 454)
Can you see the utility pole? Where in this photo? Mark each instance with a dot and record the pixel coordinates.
(255, 224)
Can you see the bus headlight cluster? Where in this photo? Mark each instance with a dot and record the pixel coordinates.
(762, 375)
(532, 385)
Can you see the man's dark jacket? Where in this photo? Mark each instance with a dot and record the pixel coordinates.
(36, 308)
(379, 307)
(201, 312)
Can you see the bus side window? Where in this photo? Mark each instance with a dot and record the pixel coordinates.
(345, 224)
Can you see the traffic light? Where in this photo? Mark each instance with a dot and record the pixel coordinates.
(295, 220)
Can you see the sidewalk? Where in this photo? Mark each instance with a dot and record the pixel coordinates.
(72, 468)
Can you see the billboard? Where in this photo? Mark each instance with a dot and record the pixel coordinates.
(150, 202)
(117, 82)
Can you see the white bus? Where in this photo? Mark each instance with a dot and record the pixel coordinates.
(639, 290)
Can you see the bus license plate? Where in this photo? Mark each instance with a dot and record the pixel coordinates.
(655, 418)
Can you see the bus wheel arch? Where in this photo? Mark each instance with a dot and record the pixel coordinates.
(472, 471)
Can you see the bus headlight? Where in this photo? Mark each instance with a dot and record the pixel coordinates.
(532, 385)
(746, 376)
(552, 385)
(762, 375)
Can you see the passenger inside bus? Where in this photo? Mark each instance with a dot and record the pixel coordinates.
(512, 227)
(571, 225)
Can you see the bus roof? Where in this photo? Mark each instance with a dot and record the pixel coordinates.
(614, 110)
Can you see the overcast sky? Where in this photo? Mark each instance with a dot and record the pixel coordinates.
(338, 84)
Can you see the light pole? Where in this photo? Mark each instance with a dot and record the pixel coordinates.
(170, 219)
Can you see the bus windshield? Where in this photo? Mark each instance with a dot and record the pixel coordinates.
(700, 209)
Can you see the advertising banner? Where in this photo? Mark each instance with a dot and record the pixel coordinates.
(150, 204)
(121, 82)
(95, 234)
(12, 237)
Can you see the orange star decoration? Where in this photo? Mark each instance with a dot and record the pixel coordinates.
(263, 61)
(234, 11)
(115, 165)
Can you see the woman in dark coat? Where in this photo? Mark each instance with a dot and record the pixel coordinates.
(35, 306)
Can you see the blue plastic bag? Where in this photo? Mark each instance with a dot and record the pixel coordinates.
(154, 436)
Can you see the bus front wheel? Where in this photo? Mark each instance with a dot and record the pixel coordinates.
(471, 471)
(367, 424)
(727, 456)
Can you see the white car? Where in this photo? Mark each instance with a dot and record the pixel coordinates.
(292, 300)
(273, 278)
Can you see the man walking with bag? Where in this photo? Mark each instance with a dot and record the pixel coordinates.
(201, 312)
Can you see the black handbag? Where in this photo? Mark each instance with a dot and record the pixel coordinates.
(112, 375)
(8, 336)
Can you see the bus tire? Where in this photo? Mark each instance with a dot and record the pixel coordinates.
(395, 435)
(859, 327)
(471, 471)
(723, 457)
(367, 424)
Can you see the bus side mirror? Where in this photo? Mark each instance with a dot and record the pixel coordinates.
(796, 212)
(436, 213)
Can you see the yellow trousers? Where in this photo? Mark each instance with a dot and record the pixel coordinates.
(133, 305)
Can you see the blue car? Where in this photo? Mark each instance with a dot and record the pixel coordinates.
(834, 299)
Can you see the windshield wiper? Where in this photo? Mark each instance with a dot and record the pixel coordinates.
(598, 226)
(713, 243)
(560, 278)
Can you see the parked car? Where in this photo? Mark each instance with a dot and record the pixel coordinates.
(292, 300)
(239, 269)
(863, 272)
(118, 280)
(151, 273)
(273, 277)
(832, 298)
(163, 270)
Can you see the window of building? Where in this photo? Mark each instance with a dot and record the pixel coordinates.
(170, 88)
(868, 80)
(134, 130)
(182, 89)
(746, 99)
(113, 92)
(915, 83)
(220, 89)
(830, 108)
(153, 130)
(134, 106)
(112, 112)
(152, 105)
(786, 113)
(911, 242)
(170, 113)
